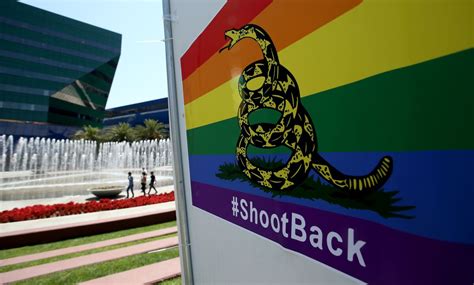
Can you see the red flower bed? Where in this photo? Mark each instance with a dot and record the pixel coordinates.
(71, 208)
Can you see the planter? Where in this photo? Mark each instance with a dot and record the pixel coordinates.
(106, 192)
(71, 208)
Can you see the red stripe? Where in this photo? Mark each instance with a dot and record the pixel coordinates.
(234, 13)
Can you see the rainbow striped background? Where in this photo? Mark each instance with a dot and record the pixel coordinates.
(377, 78)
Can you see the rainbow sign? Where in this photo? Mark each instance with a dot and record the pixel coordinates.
(341, 130)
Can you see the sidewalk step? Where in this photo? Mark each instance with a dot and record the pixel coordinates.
(79, 248)
(143, 275)
(43, 269)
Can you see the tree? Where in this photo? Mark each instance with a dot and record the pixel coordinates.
(88, 133)
(120, 132)
(152, 129)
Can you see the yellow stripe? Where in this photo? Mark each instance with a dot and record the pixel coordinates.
(375, 178)
(219, 104)
(375, 37)
(372, 179)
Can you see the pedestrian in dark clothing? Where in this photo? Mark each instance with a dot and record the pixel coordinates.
(130, 184)
(152, 183)
(143, 182)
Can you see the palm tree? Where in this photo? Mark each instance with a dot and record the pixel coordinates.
(88, 133)
(152, 129)
(120, 132)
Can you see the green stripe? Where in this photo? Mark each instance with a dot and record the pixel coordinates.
(6, 96)
(63, 105)
(96, 98)
(48, 54)
(428, 106)
(24, 115)
(38, 17)
(71, 121)
(96, 116)
(95, 78)
(54, 41)
(40, 68)
(31, 82)
(96, 82)
(108, 69)
(54, 86)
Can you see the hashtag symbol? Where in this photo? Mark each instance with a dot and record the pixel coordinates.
(235, 206)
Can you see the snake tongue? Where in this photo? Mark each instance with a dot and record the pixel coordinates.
(228, 45)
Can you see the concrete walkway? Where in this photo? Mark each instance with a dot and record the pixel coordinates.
(43, 269)
(149, 274)
(79, 248)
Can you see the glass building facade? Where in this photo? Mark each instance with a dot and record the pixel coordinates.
(55, 72)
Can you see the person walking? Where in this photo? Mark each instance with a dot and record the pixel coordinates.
(152, 183)
(143, 182)
(130, 184)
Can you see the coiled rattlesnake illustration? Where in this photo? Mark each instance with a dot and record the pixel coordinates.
(268, 84)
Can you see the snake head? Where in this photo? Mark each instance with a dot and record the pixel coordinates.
(234, 36)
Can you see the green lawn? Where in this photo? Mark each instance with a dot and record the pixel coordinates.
(89, 272)
(174, 281)
(71, 255)
(8, 253)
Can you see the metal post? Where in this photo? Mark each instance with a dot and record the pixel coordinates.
(181, 212)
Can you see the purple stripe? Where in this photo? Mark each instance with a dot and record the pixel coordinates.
(390, 256)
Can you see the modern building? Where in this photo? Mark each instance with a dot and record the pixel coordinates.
(136, 114)
(55, 72)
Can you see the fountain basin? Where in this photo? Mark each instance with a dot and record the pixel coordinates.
(106, 191)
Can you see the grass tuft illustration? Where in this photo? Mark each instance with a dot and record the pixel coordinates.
(380, 201)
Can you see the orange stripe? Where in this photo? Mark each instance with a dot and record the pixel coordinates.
(285, 21)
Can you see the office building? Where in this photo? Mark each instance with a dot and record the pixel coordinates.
(55, 72)
(136, 114)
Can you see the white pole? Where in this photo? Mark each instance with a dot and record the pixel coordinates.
(181, 212)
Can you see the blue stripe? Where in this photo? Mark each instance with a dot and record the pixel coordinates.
(437, 183)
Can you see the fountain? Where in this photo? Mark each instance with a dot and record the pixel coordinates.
(38, 168)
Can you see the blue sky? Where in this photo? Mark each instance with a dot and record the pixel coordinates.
(141, 73)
